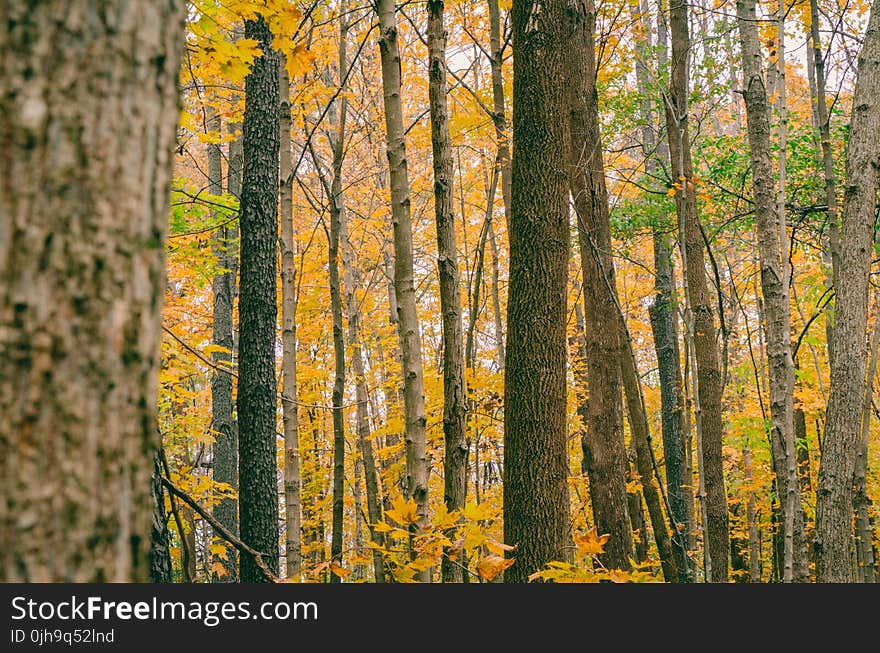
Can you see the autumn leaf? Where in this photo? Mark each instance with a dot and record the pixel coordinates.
(590, 543)
(491, 566)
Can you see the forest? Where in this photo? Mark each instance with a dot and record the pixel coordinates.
(439, 291)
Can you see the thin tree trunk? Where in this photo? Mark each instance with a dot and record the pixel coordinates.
(499, 118)
(222, 421)
(751, 516)
(404, 283)
(536, 506)
(287, 244)
(88, 108)
(775, 290)
(257, 388)
(663, 323)
(351, 282)
(707, 381)
(454, 397)
(603, 442)
(831, 249)
(841, 442)
(496, 301)
(645, 463)
(337, 221)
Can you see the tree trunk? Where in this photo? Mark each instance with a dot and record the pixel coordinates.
(258, 496)
(861, 501)
(290, 418)
(698, 301)
(841, 443)
(404, 283)
(663, 323)
(337, 220)
(160, 545)
(774, 288)
(351, 281)
(88, 108)
(454, 413)
(499, 118)
(831, 249)
(222, 421)
(536, 506)
(641, 438)
(603, 443)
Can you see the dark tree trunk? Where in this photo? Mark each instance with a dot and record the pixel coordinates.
(454, 413)
(258, 495)
(536, 505)
(88, 108)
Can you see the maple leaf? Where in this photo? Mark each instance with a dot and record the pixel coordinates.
(591, 543)
(492, 565)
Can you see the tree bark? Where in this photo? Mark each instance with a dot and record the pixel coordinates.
(290, 412)
(404, 284)
(698, 301)
(499, 118)
(603, 442)
(536, 501)
(454, 394)
(663, 322)
(775, 291)
(258, 495)
(337, 221)
(88, 108)
(864, 530)
(841, 442)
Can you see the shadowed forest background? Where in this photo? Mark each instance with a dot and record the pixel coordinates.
(331, 291)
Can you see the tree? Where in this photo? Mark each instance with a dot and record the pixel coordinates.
(454, 412)
(258, 493)
(290, 417)
(404, 287)
(603, 444)
(88, 133)
(699, 318)
(774, 287)
(834, 498)
(536, 504)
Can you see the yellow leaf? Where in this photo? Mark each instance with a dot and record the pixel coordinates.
(591, 543)
(491, 566)
(339, 570)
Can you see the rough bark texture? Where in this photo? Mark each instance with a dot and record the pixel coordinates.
(864, 530)
(774, 288)
(841, 442)
(88, 108)
(258, 496)
(536, 502)
(225, 450)
(454, 412)
(698, 305)
(603, 442)
(664, 324)
(404, 283)
(160, 547)
(644, 460)
(222, 423)
(290, 412)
